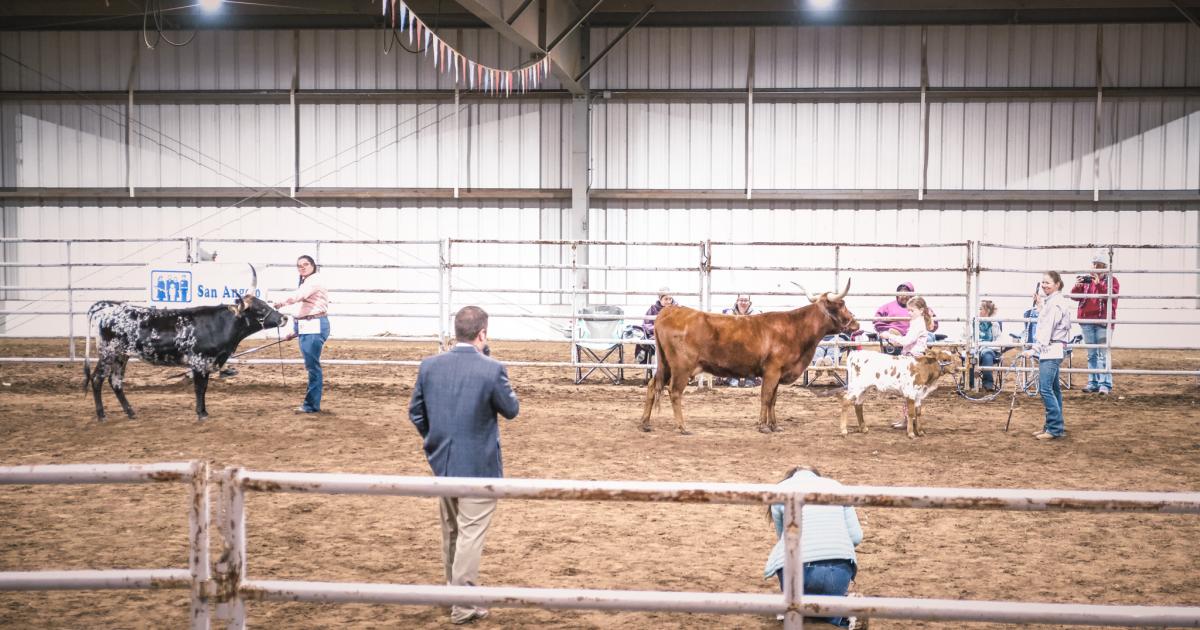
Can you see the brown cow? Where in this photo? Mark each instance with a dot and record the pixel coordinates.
(776, 346)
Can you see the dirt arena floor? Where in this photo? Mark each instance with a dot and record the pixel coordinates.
(1147, 438)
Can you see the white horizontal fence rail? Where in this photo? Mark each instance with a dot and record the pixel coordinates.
(237, 482)
(564, 287)
(196, 577)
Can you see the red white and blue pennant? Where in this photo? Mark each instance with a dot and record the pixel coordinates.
(469, 72)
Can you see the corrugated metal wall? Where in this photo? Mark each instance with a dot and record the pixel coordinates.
(1146, 143)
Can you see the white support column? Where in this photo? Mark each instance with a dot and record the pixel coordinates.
(578, 229)
(457, 139)
(295, 114)
(923, 149)
(129, 154)
(749, 144)
(198, 557)
(1099, 103)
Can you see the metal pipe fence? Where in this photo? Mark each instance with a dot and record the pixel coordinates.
(564, 287)
(196, 577)
(233, 569)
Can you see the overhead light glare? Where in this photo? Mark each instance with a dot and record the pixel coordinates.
(210, 6)
(820, 5)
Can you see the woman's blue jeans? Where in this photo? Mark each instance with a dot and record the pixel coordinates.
(826, 577)
(1051, 391)
(987, 358)
(310, 348)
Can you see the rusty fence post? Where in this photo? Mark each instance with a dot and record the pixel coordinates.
(231, 566)
(793, 561)
(199, 564)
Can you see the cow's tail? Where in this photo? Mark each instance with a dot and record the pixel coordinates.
(662, 376)
(87, 349)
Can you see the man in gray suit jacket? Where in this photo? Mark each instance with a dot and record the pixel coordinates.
(454, 406)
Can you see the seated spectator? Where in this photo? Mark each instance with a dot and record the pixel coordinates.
(989, 332)
(899, 308)
(645, 352)
(741, 307)
(828, 355)
(828, 536)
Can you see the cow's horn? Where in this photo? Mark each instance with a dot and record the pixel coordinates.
(839, 297)
(811, 296)
(253, 277)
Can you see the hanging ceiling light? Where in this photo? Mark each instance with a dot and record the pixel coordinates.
(211, 5)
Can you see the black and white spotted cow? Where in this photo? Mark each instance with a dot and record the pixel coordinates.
(200, 338)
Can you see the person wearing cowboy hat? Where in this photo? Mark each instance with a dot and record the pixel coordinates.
(1097, 284)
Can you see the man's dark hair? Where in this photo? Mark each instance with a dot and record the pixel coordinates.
(468, 322)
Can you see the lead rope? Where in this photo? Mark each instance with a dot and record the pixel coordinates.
(279, 336)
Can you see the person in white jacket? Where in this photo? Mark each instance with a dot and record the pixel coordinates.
(828, 536)
(1050, 344)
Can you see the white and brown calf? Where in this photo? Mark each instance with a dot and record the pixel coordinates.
(914, 378)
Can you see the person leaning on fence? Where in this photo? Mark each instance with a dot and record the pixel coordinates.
(1097, 283)
(454, 405)
(899, 308)
(742, 306)
(312, 326)
(988, 332)
(828, 536)
(645, 352)
(1053, 334)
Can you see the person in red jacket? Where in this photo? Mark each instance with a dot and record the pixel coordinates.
(1097, 284)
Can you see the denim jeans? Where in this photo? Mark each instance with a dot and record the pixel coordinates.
(1051, 391)
(1097, 357)
(987, 358)
(826, 577)
(310, 347)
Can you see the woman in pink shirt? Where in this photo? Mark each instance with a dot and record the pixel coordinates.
(312, 326)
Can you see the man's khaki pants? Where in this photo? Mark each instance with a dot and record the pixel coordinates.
(464, 527)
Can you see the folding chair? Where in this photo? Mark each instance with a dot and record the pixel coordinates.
(599, 351)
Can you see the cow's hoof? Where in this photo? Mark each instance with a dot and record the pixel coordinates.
(132, 416)
(921, 433)
(201, 417)
(763, 430)
(845, 433)
(776, 429)
(863, 430)
(645, 427)
(101, 418)
(912, 436)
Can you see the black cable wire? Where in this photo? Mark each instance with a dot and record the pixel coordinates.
(153, 8)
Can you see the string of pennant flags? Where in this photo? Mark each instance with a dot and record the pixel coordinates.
(465, 70)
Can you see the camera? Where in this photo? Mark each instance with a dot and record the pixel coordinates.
(1084, 279)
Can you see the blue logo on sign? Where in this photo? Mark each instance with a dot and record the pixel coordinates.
(171, 286)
